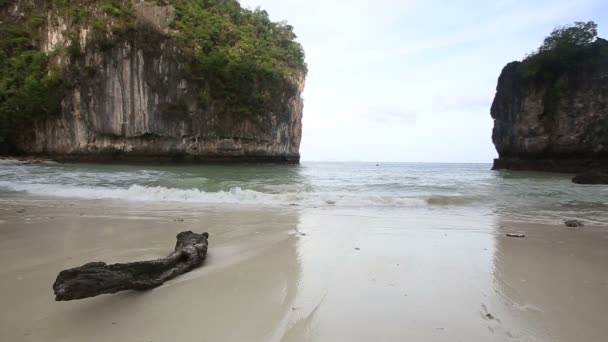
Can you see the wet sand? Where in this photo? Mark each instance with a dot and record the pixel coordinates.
(291, 274)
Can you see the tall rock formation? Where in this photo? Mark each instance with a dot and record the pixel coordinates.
(557, 121)
(163, 80)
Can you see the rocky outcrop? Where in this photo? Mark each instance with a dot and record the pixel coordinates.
(137, 98)
(591, 177)
(557, 123)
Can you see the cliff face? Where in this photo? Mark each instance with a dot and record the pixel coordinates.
(137, 96)
(554, 124)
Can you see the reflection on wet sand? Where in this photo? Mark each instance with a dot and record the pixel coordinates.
(391, 276)
(244, 292)
(553, 283)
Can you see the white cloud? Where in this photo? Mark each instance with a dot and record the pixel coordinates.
(412, 80)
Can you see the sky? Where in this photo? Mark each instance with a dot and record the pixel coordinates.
(413, 80)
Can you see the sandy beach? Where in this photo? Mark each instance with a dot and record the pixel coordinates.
(304, 274)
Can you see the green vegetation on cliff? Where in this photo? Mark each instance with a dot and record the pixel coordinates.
(246, 59)
(31, 85)
(243, 62)
(560, 51)
(566, 50)
(29, 88)
(221, 32)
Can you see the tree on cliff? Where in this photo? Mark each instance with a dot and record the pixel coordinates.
(578, 35)
(29, 88)
(560, 51)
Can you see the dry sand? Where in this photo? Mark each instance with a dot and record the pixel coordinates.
(294, 274)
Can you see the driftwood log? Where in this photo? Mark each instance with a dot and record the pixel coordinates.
(98, 278)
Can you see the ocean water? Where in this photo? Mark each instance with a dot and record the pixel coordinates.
(395, 187)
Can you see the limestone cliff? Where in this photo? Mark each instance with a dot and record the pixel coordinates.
(139, 86)
(557, 123)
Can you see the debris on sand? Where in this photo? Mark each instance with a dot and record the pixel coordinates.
(98, 278)
(516, 235)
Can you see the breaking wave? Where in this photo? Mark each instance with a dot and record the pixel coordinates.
(435, 187)
(144, 193)
(236, 195)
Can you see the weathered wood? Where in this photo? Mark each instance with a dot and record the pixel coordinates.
(98, 278)
(516, 235)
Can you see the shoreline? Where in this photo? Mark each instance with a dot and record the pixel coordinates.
(553, 165)
(160, 160)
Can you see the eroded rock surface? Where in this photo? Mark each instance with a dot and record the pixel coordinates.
(135, 96)
(559, 125)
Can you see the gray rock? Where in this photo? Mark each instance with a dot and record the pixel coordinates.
(591, 177)
(574, 223)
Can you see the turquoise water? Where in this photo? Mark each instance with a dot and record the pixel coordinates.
(523, 196)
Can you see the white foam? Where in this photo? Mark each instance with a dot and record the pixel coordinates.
(145, 194)
(14, 161)
(235, 195)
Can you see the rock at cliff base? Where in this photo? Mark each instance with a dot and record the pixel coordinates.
(98, 278)
(591, 177)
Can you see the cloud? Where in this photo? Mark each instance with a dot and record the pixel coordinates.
(462, 102)
(412, 80)
(390, 116)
